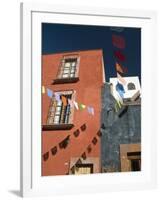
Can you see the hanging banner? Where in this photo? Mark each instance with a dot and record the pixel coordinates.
(81, 106)
(119, 68)
(118, 41)
(90, 110)
(54, 150)
(76, 105)
(57, 97)
(49, 93)
(119, 56)
(120, 89)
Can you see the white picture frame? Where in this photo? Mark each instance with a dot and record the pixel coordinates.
(32, 184)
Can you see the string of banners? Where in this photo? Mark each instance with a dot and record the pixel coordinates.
(118, 42)
(66, 141)
(66, 101)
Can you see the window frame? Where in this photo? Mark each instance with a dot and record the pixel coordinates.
(125, 160)
(83, 165)
(95, 161)
(60, 126)
(59, 77)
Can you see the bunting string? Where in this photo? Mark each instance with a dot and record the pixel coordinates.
(118, 41)
(76, 105)
(65, 142)
(66, 101)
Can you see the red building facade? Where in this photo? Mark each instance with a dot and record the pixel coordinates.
(70, 135)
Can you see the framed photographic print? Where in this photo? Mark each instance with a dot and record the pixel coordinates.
(87, 100)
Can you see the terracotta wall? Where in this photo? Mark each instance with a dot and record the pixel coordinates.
(88, 92)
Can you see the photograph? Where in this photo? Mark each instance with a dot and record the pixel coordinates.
(90, 99)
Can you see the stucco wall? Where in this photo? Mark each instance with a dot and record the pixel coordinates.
(88, 92)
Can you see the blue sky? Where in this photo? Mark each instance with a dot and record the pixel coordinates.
(57, 38)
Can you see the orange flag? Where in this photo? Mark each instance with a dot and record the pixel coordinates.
(64, 100)
(119, 68)
(121, 79)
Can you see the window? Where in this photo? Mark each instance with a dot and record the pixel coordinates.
(135, 161)
(131, 86)
(68, 70)
(69, 67)
(130, 157)
(84, 164)
(83, 169)
(60, 115)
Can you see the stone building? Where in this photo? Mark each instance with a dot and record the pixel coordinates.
(121, 133)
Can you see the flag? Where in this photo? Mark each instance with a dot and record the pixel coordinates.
(119, 56)
(64, 100)
(76, 133)
(82, 106)
(89, 148)
(49, 93)
(90, 110)
(99, 133)
(70, 102)
(83, 127)
(94, 140)
(118, 41)
(43, 90)
(54, 150)
(119, 68)
(46, 156)
(121, 79)
(63, 144)
(120, 89)
(76, 105)
(57, 96)
(119, 104)
(84, 156)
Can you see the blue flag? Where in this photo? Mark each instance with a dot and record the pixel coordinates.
(49, 93)
(90, 110)
(120, 89)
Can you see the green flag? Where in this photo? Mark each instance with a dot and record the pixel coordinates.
(82, 106)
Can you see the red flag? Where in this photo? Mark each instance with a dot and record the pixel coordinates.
(118, 41)
(119, 55)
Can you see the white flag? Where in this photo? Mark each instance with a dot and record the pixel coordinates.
(76, 105)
